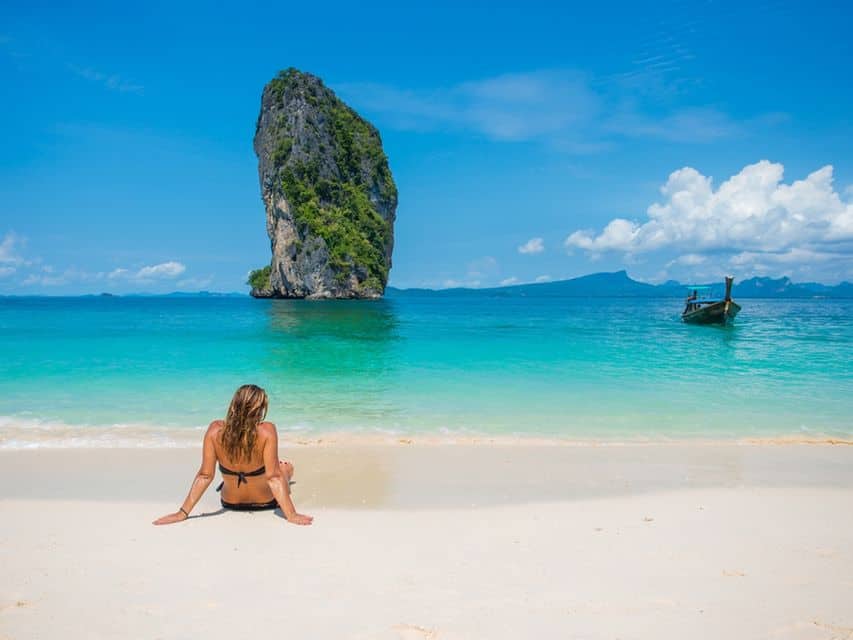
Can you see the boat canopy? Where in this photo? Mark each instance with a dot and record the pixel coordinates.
(699, 287)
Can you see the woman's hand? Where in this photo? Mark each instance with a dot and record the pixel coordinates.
(298, 518)
(178, 516)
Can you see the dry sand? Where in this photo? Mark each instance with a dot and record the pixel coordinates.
(438, 541)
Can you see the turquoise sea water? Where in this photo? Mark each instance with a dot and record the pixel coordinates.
(77, 371)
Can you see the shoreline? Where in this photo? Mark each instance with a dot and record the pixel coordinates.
(440, 441)
(37, 435)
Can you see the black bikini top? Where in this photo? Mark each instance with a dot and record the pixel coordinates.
(241, 475)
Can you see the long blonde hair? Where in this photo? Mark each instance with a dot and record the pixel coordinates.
(247, 410)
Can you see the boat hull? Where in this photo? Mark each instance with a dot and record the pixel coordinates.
(717, 313)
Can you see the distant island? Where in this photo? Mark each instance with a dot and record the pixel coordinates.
(329, 195)
(620, 284)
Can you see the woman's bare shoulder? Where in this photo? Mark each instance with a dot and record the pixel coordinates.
(266, 429)
(214, 428)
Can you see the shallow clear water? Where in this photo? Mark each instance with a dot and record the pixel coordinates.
(79, 370)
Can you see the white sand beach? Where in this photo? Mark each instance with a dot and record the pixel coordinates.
(438, 541)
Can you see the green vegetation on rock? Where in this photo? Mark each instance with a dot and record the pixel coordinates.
(343, 216)
(281, 151)
(259, 279)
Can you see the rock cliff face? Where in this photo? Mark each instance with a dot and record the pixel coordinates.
(329, 195)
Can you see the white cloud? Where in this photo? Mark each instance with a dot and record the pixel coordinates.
(570, 110)
(516, 106)
(195, 283)
(34, 273)
(701, 124)
(9, 249)
(688, 259)
(49, 277)
(113, 82)
(802, 265)
(617, 235)
(452, 283)
(169, 269)
(543, 278)
(162, 271)
(482, 267)
(508, 281)
(753, 214)
(534, 245)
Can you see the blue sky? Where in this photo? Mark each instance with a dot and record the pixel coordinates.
(675, 140)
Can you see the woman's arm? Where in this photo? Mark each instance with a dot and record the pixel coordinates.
(201, 482)
(277, 481)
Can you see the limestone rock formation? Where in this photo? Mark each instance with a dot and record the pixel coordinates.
(328, 191)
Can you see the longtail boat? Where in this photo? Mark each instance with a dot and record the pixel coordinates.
(702, 308)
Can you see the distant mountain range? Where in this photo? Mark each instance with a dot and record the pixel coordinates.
(620, 284)
(596, 285)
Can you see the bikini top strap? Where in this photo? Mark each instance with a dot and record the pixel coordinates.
(241, 475)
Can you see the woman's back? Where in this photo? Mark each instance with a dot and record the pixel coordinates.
(243, 479)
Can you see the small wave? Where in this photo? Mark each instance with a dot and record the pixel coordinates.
(31, 433)
(19, 433)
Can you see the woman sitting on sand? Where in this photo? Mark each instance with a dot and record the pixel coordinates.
(246, 447)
